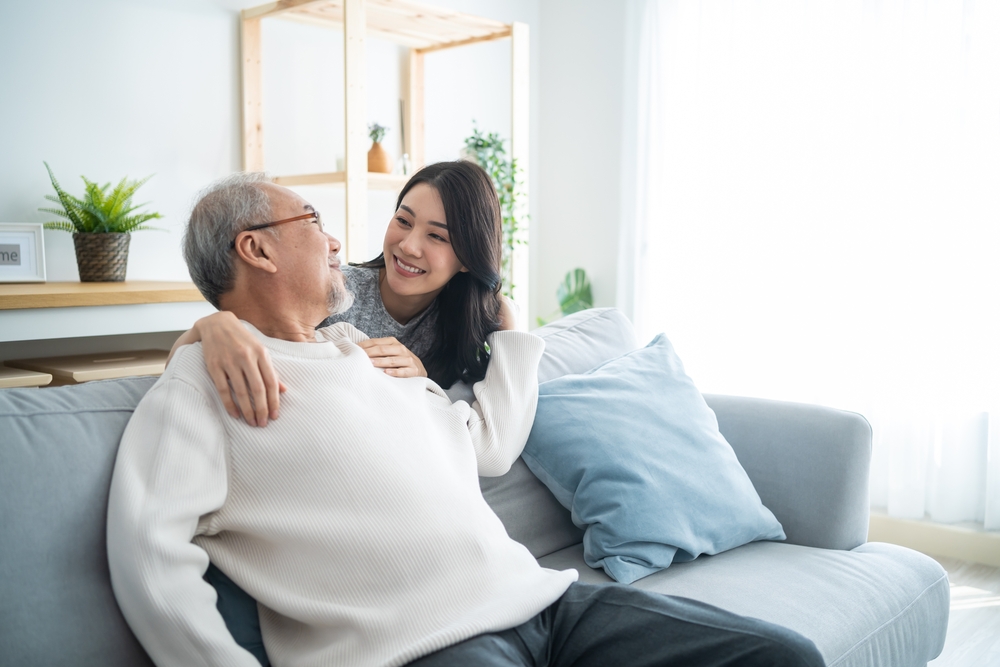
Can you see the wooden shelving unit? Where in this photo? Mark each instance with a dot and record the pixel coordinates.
(64, 295)
(421, 28)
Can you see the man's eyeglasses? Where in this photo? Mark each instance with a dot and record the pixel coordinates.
(304, 216)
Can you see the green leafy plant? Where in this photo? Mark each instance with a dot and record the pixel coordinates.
(99, 211)
(488, 151)
(574, 294)
(376, 132)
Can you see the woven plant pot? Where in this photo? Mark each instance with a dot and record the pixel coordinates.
(101, 258)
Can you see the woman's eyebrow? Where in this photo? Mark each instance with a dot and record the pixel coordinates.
(429, 222)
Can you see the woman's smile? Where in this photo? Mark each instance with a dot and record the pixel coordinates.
(407, 269)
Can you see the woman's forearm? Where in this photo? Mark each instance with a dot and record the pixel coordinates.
(195, 333)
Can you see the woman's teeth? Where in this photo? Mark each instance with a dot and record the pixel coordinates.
(408, 269)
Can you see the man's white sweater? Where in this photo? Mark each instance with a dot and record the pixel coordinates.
(355, 519)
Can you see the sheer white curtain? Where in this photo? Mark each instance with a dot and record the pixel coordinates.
(812, 213)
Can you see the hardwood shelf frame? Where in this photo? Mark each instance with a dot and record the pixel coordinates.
(72, 294)
(393, 182)
(424, 30)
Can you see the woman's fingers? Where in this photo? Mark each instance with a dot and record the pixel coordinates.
(258, 397)
(272, 386)
(393, 357)
(221, 383)
(391, 362)
(235, 387)
(244, 400)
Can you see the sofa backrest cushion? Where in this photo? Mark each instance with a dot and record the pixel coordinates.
(573, 345)
(583, 340)
(57, 451)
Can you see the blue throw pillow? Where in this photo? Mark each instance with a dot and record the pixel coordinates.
(634, 452)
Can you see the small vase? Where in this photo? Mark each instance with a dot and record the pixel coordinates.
(101, 258)
(378, 159)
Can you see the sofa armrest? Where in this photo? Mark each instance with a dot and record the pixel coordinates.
(808, 463)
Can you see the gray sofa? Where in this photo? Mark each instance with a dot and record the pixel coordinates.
(861, 603)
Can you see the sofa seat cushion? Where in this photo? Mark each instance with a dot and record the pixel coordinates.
(878, 604)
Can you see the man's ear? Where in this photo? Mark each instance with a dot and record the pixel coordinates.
(253, 251)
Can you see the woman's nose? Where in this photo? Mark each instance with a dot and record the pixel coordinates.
(410, 245)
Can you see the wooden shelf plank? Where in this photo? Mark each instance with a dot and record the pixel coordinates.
(19, 377)
(492, 37)
(401, 21)
(279, 7)
(87, 367)
(330, 177)
(376, 181)
(62, 295)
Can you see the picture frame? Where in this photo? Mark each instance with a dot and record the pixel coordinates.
(22, 252)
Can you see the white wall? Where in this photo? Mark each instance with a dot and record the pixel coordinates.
(113, 88)
(578, 198)
(110, 88)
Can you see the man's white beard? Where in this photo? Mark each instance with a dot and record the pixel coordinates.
(339, 299)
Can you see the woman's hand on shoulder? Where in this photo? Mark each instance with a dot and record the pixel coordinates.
(393, 357)
(240, 367)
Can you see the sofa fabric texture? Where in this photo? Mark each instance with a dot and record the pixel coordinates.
(862, 604)
(57, 450)
(861, 607)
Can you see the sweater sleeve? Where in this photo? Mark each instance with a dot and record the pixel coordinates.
(501, 417)
(169, 474)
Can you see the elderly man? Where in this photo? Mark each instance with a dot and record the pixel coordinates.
(356, 519)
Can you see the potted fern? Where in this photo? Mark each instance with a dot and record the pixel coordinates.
(101, 223)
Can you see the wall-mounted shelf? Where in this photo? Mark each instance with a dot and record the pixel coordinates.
(73, 294)
(72, 310)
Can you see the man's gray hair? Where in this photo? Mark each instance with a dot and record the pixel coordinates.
(223, 210)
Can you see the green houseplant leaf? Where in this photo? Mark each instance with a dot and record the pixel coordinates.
(488, 151)
(574, 292)
(99, 211)
(376, 132)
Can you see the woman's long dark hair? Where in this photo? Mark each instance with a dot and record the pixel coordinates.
(468, 308)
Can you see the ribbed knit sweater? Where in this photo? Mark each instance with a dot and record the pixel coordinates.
(355, 519)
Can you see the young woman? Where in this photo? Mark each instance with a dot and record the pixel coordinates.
(428, 301)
